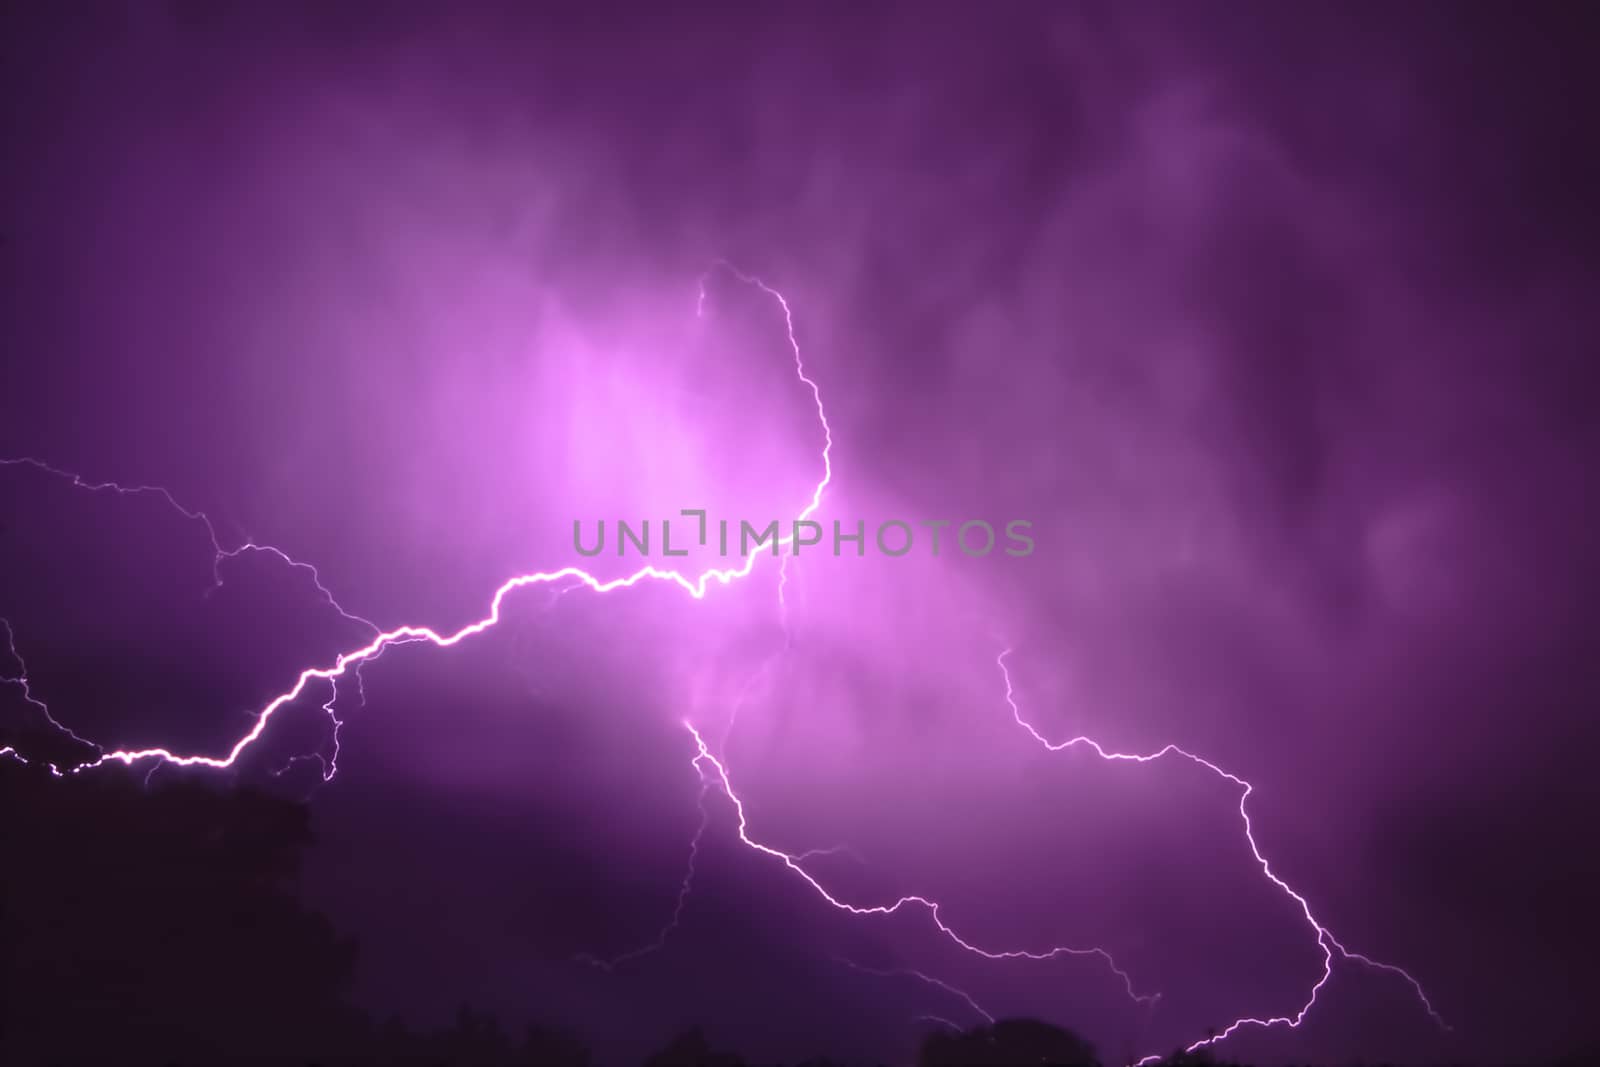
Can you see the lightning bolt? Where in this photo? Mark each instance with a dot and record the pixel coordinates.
(927, 979)
(703, 757)
(20, 681)
(686, 884)
(684, 889)
(941, 1020)
(711, 768)
(219, 555)
(572, 577)
(1325, 939)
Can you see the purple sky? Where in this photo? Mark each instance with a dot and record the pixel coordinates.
(1275, 324)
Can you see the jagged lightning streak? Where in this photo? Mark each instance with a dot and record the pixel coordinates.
(20, 680)
(1325, 939)
(219, 555)
(686, 883)
(942, 1021)
(685, 887)
(574, 577)
(697, 587)
(937, 983)
(704, 756)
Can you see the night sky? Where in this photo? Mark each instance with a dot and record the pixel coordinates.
(1275, 321)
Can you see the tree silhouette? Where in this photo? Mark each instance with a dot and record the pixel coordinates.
(161, 926)
(475, 1040)
(1007, 1043)
(691, 1049)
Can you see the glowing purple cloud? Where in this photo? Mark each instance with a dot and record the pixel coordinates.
(712, 767)
(695, 585)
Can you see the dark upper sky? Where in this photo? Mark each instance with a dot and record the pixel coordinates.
(1275, 322)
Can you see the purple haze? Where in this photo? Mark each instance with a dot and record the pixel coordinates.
(1273, 326)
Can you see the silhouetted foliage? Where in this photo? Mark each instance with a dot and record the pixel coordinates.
(160, 926)
(163, 926)
(1006, 1043)
(1199, 1058)
(476, 1040)
(691, 1049)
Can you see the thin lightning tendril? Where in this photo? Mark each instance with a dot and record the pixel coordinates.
(1325, 939)
(941, 1020)
(711, 767)
(932, 907)
(908, 972)
(219, 555)
(684, 888)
